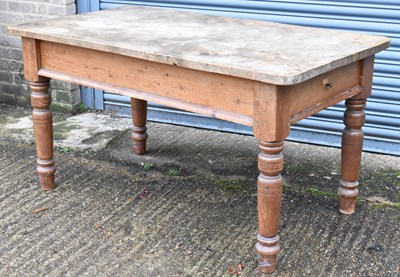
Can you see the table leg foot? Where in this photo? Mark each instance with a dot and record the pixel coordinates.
(352, 141)
(46, 170)
(139, 137)
(139, 117)
(348, 192)
(269, 194)
(43, 127)
(267, 249)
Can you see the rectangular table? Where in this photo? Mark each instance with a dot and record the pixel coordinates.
(260, 74)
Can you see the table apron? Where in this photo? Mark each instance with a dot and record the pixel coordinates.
(216, 91)
(221, 96)
(174, 103)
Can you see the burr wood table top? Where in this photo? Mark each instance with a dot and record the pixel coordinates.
(263, 51)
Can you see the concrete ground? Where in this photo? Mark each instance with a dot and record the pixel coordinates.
(187, 208)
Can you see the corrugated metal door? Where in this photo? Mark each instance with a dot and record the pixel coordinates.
(382, 130)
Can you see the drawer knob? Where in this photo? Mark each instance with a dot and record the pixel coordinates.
(327, 83)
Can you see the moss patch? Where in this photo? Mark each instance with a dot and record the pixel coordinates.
(174, 171)
(234, 184)
(64, 149)
(81, 108)
(385, 183)
(317, 191)
(146, 166)
(386, 205)
(380, 202)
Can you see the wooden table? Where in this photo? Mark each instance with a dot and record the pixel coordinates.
(260, 74)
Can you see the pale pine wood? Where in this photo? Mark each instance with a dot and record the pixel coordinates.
(270, 52)
(271, 113)
(325, 104)
(212, 112)
(301, 100)
(31, 59)
(314, 91)
(217, 91)
(367, 71)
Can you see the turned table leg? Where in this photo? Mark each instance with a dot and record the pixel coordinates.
(269, 192)
(43, 128)
(139, 117)
(352, 141)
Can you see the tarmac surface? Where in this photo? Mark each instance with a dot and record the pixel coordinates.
(187, 208)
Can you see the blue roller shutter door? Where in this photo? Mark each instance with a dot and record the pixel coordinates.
(382, 130)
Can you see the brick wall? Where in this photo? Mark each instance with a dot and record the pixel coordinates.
(13, 86)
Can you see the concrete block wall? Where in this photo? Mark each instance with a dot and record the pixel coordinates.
(13, 87)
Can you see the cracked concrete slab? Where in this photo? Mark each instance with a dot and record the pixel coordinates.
(85, 131)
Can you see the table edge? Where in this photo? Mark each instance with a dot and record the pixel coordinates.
(283, 80)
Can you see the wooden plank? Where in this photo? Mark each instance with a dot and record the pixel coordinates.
(31, 58)
(320, 89)
(216, 91)
(237, 118)
(325, 104)
(271, 113)
(367, 71)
